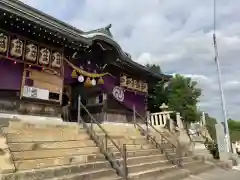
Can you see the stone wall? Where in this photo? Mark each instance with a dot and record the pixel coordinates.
(16, 106)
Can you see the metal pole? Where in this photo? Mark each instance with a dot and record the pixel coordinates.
(134, 114)
(223, 103)
(79, 108)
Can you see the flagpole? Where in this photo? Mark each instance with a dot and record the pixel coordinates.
(223, 103)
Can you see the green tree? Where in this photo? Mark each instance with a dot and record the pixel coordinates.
(183, 96)
(210, 123)
(234, 129)
(157, 96)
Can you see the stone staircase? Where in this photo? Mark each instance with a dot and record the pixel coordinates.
(196, 163)
(53, 152)
(66, 152)
(144, 160)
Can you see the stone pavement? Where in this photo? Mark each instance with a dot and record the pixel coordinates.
(216, 174)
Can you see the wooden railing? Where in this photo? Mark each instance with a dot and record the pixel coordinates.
(103, 142)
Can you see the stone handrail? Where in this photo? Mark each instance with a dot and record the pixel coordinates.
(6, 162)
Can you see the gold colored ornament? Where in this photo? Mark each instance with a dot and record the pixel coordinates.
(85, 73)
(100, 81)
(74, 74)
(88, 82)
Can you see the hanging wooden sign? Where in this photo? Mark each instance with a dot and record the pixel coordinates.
(56, 60)
(3, 43)
(23, 50)
(135, 84)
(44, 56)
(138, 88)
(129, 83)
(31, 52)
(123, 81)
(144, 87)
(16, 48)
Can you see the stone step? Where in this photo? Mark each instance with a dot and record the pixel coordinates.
(152, 173)
(131, 141)
(148, 165)
(124, 136)
(61, 171)
(30, 146)
(63, 125)
(39, 137)
(145, 159)
(47, 131)
(49, 153)
(144, 152)
(57, 161)
(176, 175)
(131, 147)
(108, 174)
(196, 167)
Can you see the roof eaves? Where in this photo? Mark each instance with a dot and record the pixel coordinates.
(40, 15)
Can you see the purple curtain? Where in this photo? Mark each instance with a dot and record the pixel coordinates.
(10, 75)
(130, 98)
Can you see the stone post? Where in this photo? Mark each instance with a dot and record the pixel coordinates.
(223, 154)
(203, 119)
(166, 116)
(234, 148)
(179, 120)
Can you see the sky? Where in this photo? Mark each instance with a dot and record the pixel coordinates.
(175, 34)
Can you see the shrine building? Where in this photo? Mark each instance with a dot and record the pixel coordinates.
(41, 56)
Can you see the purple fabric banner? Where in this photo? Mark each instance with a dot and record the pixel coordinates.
(10, 75)
(127, 98)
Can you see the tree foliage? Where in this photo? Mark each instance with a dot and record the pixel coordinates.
(183, 96)
(158, 96)
(234, 129)
(210, 123)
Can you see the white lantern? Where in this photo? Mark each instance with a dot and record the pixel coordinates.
(80, 78)
(94, 82)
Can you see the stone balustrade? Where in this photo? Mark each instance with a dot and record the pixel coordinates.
(6, 163)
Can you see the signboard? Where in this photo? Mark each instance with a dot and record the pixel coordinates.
(14, 47)
(35, 93)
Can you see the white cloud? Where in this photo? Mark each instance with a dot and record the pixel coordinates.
(176, 34)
